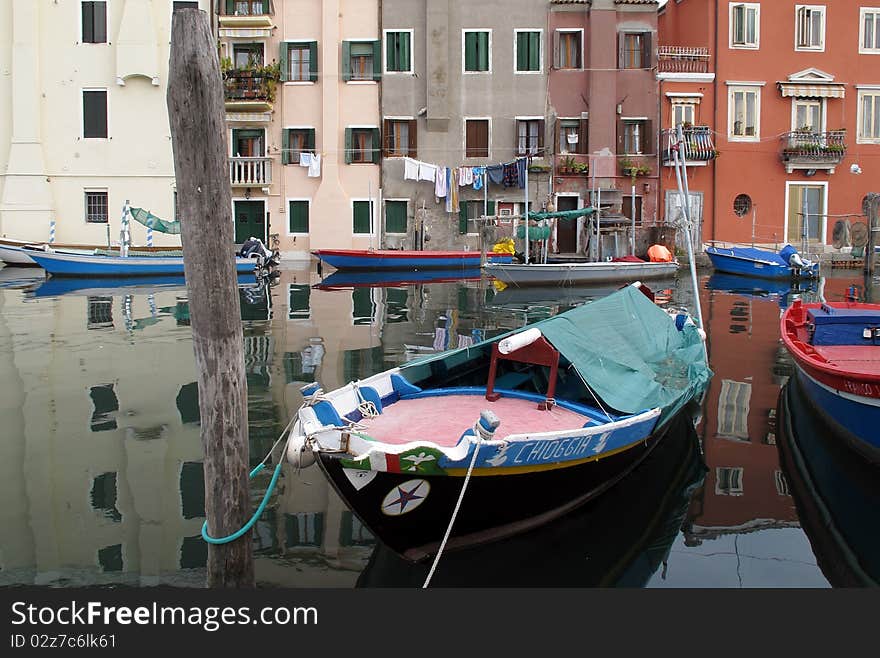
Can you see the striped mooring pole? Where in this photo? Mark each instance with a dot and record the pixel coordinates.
(51, 231)
(149, 236)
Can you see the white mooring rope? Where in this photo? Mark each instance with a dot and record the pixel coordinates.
(464, 485)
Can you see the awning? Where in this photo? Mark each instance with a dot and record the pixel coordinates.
(800, 90)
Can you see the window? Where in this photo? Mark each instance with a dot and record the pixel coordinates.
(632, 206)
(94, 22)
(303, 529)
(295, 141)
(476, 138)
(110, 558)
(184, 4)
(247, 7)
(530, 137)
(361, 217)
(476, 46)
(634, 50)
(683, 113)
(810, 27)
(359, 61)
(105, 407)
(104, 496)
(781, 483)
(742, 204)
(634, 137)
(298, 296)
(806, 115)
(395, 216)
(298, 217)
(528, 51)
(733, 409)
(248, 143)
(187, 402)
(728, 481)
(399, 138)
(354, 533)
(568, 49)
(744, 107)
(469, 212)
(869, 30)
(869, 116)
(100, 313)
(572, 136)
(299, 61)
(94, 113)
(192, 490)
(398, 53)
(363, 311)
(247, 55)
(361, 145)
(96, 206)
(744, 25)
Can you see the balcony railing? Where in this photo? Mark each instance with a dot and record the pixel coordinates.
(696, 147)
(803, 149)
(246, 18)
(682, 59)
(248, 85)
(250, 172)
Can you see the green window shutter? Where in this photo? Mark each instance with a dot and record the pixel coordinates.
(313, 61)
(405, 64)
(266, 7)
(462, 217)
(522, 51)
(285, 146)
(361, 217)
(310, 139)
(230, 7)
(299, 217)
(348, 154)
(346, 60)
(470, 51)
(490, 207)
(395, 216)
(375, 146)
(483, 51)
(362, 305)
(377, 60)
(534, 51)
(282, 57)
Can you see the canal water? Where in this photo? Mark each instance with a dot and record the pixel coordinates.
(100, 460)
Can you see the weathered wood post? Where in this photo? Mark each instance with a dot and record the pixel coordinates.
(198, 129)
(873, 202)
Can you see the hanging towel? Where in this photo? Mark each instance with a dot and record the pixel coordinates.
(478, 172)
(440, 182)
(454, 188)
(465, 341)
(427, 172)
(440, 339)
(315, 166)
(448, 190)
(496, 173)
(305, 159)
(410, 169)
(511, 175)
(521, 171)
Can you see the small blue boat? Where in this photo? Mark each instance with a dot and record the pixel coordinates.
(762, 263)
(58, 263)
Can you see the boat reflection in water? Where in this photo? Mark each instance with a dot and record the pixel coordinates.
(749, 286)
(620, 539)
(837, 494)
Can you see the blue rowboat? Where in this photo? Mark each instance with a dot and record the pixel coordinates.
(545, 419)
(392, 259)
(762, 263)
(58, 263)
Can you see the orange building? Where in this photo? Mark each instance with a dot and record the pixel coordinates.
(780, 107)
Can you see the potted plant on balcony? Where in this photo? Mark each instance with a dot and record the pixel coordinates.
(580, 168)
(631, 169)
(565, 167)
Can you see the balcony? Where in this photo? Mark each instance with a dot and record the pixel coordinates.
(804, 149)
(682, 59)
(250, 172)
(697, 147)
(573, 164)
(246, 18)
(250, 90)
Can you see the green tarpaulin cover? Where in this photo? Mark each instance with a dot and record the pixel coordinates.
(156, 223)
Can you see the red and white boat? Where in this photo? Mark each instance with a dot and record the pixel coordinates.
(836, 347)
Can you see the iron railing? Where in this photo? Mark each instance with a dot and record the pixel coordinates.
(807, 147)
(696, 147)
(682, 59)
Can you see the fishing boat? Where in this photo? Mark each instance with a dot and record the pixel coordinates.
(544, 418)
(18, 252)
(787, 263)
(836, 350)
(836, 492)
(393, 259)
(394, 278)
(570, 274)
(63, 263)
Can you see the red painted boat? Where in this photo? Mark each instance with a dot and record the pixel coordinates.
(399, 259)
(836, 347)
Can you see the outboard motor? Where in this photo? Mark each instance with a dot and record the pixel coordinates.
(253, 248)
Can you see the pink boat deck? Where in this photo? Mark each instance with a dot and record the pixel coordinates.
(443, 419)
(855, 359)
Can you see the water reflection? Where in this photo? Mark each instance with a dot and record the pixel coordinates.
(101, 462)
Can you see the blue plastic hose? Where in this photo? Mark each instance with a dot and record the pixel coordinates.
(247, 526)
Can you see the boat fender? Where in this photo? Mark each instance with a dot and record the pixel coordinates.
(486, 425)
(299, 452)
(518, 341)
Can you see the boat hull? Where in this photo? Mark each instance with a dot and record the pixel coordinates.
(727, 260)
(65, 264)
(494, 506)
(354, 259)
(16, 256)
(568, 274)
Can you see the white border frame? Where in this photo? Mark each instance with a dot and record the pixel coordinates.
(82, 113)
(743, 86)
(560, 30)
(464, 121)
(811, 49)
(385, 217)
(748, 5)
(263, 199)
(861, 90)
(802, 183)
(351, 201)
(464, 31)
(383, 43)
(540, 32)
(862, 50)
(298, 234)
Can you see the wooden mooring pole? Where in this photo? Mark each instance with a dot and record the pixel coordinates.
(198, 129)
(873, 226)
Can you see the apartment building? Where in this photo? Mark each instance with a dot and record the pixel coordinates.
(779, 103)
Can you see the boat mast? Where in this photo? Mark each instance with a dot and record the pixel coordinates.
(526, 212)
(681, 173)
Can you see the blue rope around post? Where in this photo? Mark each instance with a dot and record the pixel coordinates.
(247, 526)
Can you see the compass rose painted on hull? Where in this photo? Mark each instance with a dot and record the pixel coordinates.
(405, 497)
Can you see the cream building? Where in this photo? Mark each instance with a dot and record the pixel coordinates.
(83, 118)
